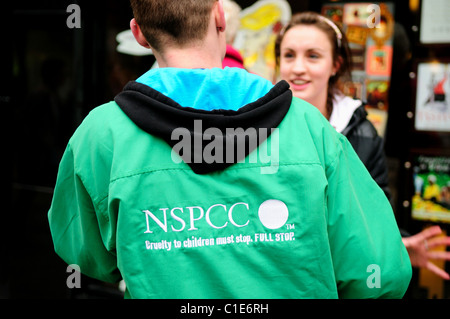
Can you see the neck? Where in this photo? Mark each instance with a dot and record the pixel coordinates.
(205, 54)
(320, 102)
(188, 58)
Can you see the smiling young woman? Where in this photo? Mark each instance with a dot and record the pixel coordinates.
(308, 64)
(312, 55)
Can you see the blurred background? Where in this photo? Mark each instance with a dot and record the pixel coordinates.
(57, 65)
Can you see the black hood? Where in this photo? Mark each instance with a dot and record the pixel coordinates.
(161, 116)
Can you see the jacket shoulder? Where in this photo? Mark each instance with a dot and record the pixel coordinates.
(366, 129)
(360, 125)
(100, 125)
(308, 127)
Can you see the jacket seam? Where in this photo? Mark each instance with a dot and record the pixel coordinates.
(95, 202)
(189, 169)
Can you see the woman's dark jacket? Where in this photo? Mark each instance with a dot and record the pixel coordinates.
(369, 146)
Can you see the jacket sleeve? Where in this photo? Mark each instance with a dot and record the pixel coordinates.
(78, 230)
(370, 149)
(369, 258)
(377, 167)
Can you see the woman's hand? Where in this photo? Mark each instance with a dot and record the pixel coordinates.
(419, 246)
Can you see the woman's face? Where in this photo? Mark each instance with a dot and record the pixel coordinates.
(306, 63)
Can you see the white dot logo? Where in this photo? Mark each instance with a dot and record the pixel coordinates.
(273, 214)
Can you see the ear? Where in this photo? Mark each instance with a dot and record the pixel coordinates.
(219, 15)
(337, 65)
(136, 30)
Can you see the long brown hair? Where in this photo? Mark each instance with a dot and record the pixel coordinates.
(340, 50)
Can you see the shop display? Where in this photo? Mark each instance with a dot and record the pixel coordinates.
(369, 30)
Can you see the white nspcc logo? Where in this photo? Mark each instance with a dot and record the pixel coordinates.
(272, 213)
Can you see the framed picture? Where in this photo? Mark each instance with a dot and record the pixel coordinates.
(333, 12)
(357, 34)
(431, 195)
(379, 60)
(432, 106)
(358, 58)
(434, 22)
(377, 94)
(356, 14)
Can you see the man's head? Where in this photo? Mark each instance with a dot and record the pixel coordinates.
(172, 22)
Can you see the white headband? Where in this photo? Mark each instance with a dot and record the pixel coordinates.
(334, 27)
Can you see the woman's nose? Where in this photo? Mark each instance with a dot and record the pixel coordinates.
(299, 66)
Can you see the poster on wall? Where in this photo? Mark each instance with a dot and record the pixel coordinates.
(433, 97)
(434, 22)
(369, 29)
(379, 60)
(431, 198)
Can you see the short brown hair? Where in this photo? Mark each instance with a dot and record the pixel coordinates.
(175, 21)
(340, 48)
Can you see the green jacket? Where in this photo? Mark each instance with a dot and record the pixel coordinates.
(296, 216)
